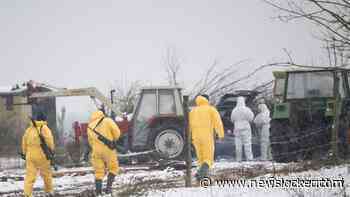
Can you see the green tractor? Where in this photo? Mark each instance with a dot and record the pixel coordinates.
(304, 112)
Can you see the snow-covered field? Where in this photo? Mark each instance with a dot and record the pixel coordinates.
(334, 173)
(76, 180)
(170, 182)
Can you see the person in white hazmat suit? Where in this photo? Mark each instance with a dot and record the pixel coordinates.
(241, 117)
(262, 122)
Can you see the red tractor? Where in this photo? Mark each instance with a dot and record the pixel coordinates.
(157, 124)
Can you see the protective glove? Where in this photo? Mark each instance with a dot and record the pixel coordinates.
(119, 148)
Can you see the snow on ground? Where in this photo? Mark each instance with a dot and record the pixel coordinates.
(335, 173)
(77, 182)
(268, 165)
(220, 192)
(74, 182)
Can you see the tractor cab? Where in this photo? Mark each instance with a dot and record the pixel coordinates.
(157, 122)
(304, 109)
(309, 90)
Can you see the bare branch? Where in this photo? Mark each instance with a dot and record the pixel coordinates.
(125, 95)
(288, 54)
(331, 16)
(172, 65)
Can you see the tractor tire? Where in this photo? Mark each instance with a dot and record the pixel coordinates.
(168, 142)
(311, 147)
(293, 144)
(282, 143)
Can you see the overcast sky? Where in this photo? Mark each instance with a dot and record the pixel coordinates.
(80, 43)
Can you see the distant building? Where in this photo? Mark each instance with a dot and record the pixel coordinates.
(16, 108)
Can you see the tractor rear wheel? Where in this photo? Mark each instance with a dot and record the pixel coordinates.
(168, 142)
(283, 145)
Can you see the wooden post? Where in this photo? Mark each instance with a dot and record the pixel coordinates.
(188, 138)
(336, 120)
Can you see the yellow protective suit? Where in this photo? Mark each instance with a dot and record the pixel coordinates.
(203, 120)
(102, 156)
(35, 157)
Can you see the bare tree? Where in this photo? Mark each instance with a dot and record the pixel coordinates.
(213, 79)
(125, 95)
(336, 56)
(217, 82)
(332, 16)
(172, 64)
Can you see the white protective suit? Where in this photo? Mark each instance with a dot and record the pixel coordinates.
(262, 122)
(241, 116)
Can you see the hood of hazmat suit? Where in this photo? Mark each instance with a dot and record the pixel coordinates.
(263, 118)
(96, 115)
(204, 120)
(241, 115)
(201, 101)
(206, 117)
(108, 128)
(31, 141)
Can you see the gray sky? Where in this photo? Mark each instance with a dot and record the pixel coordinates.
(80, 43)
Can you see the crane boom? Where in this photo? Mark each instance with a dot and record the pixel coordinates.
(92, 92)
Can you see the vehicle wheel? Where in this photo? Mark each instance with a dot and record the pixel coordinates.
(168, 142)
(280, 137)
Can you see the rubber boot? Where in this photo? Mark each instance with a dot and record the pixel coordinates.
(110, 180)
(198, 174)
(202, 172)
(98, 184)
(205, 170)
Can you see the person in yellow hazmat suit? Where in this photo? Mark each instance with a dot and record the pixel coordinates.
(204, 119)
(103, 156)
(35, 157)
